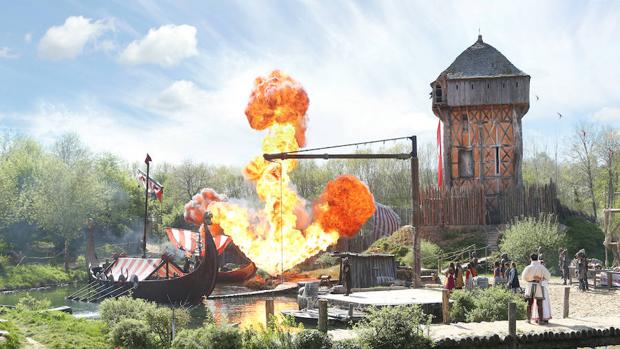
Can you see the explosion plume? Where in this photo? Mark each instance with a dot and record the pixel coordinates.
(279, 104)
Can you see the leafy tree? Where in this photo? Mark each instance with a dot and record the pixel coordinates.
(525, 235)
(65, 197)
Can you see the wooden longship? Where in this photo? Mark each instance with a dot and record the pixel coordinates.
(481, 98)
(154, 279)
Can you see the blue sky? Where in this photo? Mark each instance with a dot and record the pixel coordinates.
(172, 78)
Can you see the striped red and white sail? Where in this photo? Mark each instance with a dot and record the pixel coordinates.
(187, 240)
(128, 266)
(183, 239)
(385, 221)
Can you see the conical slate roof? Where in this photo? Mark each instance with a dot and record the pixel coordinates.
(481, 60)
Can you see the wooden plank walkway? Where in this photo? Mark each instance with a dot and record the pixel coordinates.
(422, 296)
(559, 333)
(287, 287)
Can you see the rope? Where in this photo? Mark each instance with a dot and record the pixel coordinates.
(349, 145)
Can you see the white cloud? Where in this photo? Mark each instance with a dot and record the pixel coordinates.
(68, 40)
(28, 38)
(167, 46)
(6, 52)
(608, 114)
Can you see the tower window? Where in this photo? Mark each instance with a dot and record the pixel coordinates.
(466, 163)
(503, 85)
(457, 87)
(438, 94)
(517, 84)
(465, 122)
(488, 85)
(497, 160)
(472, 86)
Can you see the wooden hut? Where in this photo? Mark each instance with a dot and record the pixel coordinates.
(369, 270)
(481, 98)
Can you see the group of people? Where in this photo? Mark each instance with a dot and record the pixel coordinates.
(505, 274)
(456, 273)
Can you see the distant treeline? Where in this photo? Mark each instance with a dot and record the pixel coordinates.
(47, 194)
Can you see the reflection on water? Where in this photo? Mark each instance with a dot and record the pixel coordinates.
(245, 311)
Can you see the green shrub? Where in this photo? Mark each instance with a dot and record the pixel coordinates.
(525, 235)
(131, 334)
(462, 304)
(28, 302)
(14, 337)
(187, 339)
(582, 233)
(399, 327)
(113, 311)
(159, 321)
(312, 339)
(209, 337)
(276, 336)
(347, 344)
(430, 255)
(484, 305)
(326, 260)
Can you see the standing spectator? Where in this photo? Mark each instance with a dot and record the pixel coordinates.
(513, 279)
(450, 277)
(582, 270)
(469, 276)
(459, 276)
(497, 274)
(346, 270)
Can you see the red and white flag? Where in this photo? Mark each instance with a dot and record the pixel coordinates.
(154, 187)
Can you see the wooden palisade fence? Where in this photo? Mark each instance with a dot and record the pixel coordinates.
(529, 201)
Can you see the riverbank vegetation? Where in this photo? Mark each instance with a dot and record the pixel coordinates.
(26, 276)
(484, 305)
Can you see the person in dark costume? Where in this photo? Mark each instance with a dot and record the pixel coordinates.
(346, 270)
(513, 279)
(582, 269)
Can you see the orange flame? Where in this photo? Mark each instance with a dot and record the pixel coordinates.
(281, 234)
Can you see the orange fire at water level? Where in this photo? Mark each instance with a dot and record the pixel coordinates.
(279, 104)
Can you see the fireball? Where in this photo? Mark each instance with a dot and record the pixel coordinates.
(282, 234)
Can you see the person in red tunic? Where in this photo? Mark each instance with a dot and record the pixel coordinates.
(450, 277)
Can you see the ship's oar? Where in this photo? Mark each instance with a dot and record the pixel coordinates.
(74, 294)
(100, 292)
(106, 295)
(91, 291)
(86, 293)
(123, 293)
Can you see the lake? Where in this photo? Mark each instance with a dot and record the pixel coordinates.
(244, 311)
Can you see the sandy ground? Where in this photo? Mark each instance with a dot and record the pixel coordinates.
(596, 302)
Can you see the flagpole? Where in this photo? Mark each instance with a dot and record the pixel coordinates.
(146, 205)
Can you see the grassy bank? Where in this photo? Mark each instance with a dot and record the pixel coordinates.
(27, 276)
(58, 330)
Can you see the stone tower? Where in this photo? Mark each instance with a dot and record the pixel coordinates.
(481, 98)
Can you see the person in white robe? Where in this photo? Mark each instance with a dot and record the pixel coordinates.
(546, 305)
(536, 278)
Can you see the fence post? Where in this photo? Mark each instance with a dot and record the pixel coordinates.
(269, 311)
(610, 281)
(445, 305)
(512, 319)
(323, 315)
(566, 301)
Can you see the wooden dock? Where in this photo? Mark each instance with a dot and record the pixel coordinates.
(408, 296)
(285, 288)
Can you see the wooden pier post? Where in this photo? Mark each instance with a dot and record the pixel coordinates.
(269, 312)
(350, 311)
(512, 319)
(323, 315)
(610, 281)
(445, 305)
(566, 301)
